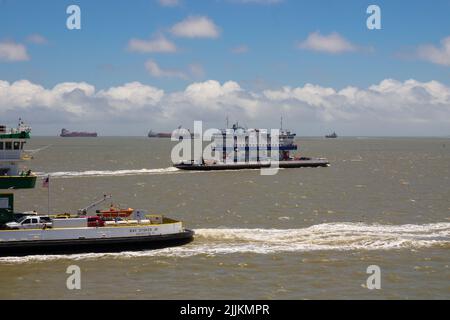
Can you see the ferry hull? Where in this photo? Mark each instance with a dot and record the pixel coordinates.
(79, 135)
(94, 245)
(246, 166)
(17, 182)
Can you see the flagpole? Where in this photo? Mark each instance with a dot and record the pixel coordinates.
(48, 195)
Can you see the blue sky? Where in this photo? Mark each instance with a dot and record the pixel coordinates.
(268, 34)
(98, 54)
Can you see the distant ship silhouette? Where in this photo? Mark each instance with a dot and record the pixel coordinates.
(68, 134)
(332, 136)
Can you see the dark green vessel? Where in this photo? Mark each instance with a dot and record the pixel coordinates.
(12, 143)
(18, 182)
(6, 208)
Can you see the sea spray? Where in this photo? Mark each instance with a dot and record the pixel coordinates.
(322, 237)
(108, 173)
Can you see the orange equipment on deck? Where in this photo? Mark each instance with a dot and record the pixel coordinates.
(114, 212)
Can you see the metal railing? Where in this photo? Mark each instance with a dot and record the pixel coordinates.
(11, 155)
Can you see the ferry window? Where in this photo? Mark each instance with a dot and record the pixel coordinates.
(21, 145)
(8, 145)
(16, 145)
(1, 145)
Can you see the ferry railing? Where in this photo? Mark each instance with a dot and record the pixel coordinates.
(10, 155)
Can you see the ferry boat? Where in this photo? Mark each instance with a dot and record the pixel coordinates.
(63, 234)
(240, 148)
(68, 134)
(110, 230)
(132, 235)
(12, 154)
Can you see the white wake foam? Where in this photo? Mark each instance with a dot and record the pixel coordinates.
(108, 173)
(323, 237)
(118, 173)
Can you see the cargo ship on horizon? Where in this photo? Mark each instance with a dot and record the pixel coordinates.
(152, 134)
(180, 132)
(332, 136)
(68, 134)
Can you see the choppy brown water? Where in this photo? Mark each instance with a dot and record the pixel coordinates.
(302, 234)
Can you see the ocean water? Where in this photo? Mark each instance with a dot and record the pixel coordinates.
(301, 234)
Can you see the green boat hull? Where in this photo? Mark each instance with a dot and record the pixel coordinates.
(17, 182)
(6, 208)
(19, 135)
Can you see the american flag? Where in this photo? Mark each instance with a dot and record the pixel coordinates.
(46, 182)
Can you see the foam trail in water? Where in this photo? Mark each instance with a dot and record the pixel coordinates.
(330, 237)
(108, 173)
(117, 173)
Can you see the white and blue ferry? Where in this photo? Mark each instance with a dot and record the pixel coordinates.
(240, 148)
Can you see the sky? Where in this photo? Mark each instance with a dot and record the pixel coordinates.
(155, 64)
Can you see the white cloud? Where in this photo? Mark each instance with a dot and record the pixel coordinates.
(438, 55)
(11, 52)
(210, 90)
(388, 108)
(158, 43)
(26, 95)
(169, 3)
(240, 49)
(155, 70)
(132, 95)
(333, 43)
(37, 39)
(196, 27)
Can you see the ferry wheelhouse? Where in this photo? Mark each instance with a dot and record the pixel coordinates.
(12, 154)
(239, 144)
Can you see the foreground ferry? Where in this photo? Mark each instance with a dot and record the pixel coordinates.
(12, 155)
(63, 234)
(241, 148)
(110, 230)
(73, 235)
